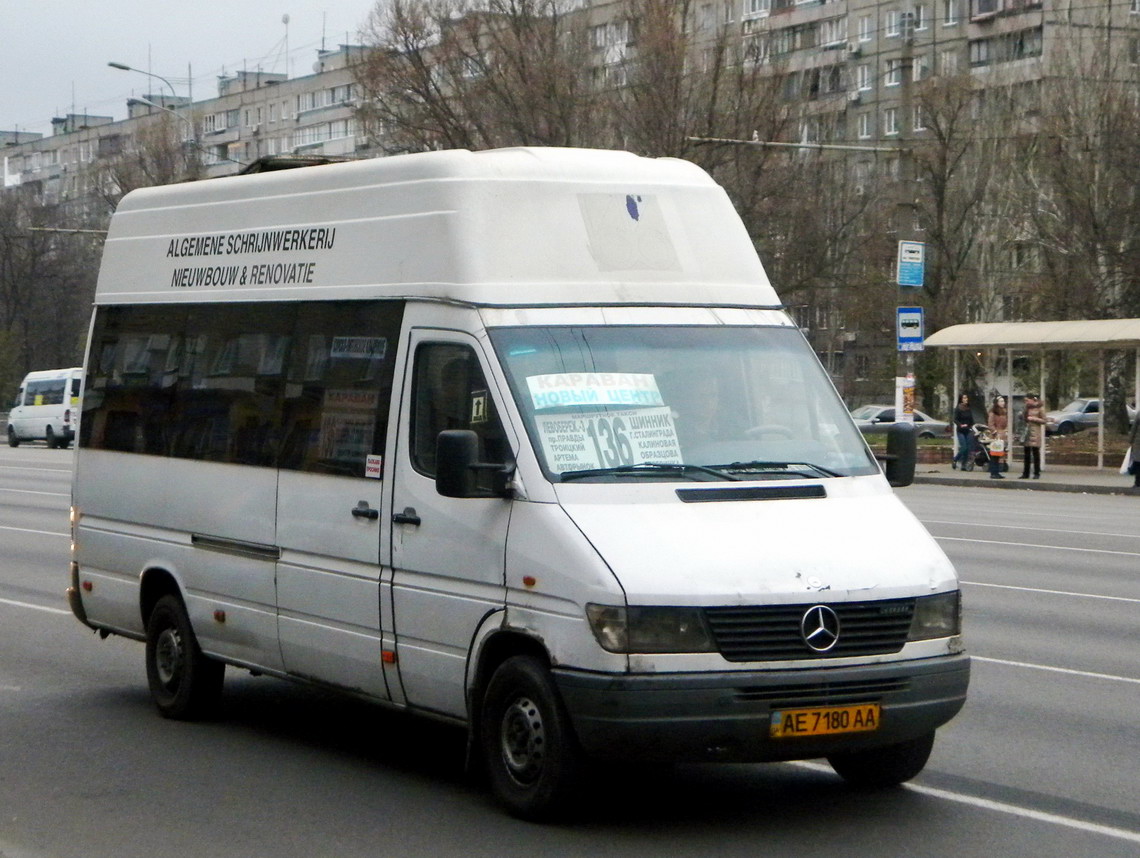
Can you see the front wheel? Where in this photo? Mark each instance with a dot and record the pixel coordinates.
(884, 767)
(49, 438)
(184, 684)
(13, 438)
(528, 747)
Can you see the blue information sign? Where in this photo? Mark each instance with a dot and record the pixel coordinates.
(911, 327)
(911, 263)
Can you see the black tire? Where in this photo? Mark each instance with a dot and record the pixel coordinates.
(184, 684)
(49, 438)
(1065, 428)
(13, 441)
(884, 767)
(529, 752)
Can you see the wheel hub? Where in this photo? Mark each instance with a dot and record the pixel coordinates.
(168, 656)
(523, 740)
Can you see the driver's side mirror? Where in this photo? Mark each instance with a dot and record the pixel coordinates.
(901, 456)
(460, 474)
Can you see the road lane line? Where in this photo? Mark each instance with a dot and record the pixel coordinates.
(1051, 592)
(43, 608)
(1087, 674)
(1003, 807)
(1025, 527)
(37, 532)
(30, 492)
(1037, 545)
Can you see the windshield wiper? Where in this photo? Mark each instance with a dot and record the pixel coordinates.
(803, 469)
(647, 468)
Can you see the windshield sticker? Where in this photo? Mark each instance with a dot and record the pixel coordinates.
(609, 439)
(593, 388)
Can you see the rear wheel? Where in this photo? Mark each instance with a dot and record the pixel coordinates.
(49, 437)
(884, 767)
(184, 684)
(531, 756)
(13, 440)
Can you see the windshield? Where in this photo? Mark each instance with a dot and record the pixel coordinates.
(1076, 405)
(646, 402)
(867, 412)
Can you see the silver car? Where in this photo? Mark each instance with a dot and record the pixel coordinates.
(880, 418)
(1079, 414)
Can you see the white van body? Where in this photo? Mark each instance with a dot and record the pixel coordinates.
(291, 377)
(46, 407)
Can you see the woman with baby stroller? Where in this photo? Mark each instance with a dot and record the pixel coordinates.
(998, 420)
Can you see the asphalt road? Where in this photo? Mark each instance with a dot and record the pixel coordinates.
(1042, 761)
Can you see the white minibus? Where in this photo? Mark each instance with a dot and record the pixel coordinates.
(520, 439)
(46, 407)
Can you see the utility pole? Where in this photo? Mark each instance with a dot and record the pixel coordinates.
(905, 216)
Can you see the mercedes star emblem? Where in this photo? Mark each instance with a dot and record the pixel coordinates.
(820, 628)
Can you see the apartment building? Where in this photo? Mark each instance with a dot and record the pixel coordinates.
(254, 114)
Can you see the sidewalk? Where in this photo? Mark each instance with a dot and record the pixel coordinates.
(1054, 478)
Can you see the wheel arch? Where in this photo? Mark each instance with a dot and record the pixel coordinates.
(155, 583)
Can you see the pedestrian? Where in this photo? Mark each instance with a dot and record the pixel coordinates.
(998, 422)
(963, 425)
(1033, 436)
(1134, 446)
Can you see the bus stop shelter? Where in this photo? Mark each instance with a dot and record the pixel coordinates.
(1090, 335)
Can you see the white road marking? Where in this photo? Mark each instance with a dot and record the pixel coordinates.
(1023, 527)
(1051, 592)
(29, 492)
(37, 532)
(1010, 809)
(1069, 671)
(1034, 545)
(43, 608)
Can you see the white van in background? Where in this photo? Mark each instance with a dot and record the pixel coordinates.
(519, 439)
(46, 408)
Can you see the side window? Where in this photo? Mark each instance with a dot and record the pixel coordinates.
(298, 385)
(339, 386)
(19, 400)
(449, 391)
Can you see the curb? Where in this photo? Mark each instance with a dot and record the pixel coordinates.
(1032, 486)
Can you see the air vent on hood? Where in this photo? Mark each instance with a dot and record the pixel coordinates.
(751, 493)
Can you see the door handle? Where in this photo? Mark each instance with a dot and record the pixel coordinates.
(408, 516)
(363, 510)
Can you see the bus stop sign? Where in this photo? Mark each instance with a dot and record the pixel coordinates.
(911, 263)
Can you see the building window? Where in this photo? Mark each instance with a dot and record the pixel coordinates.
(894, 23)
(950, 12)
(864, 126)
(756, 8)
(893, 76)
(921, 18)
(920, 68)
(863, 77)
(948, 63)
(919, 118)
(867, 27)
(984, 8)
(891, 121)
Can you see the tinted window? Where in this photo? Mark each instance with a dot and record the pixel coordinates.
(298, 385)
(450, 392)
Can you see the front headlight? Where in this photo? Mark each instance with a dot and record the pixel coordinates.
(646, 630)
(936, 616)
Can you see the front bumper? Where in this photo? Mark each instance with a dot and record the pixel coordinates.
(725, 716)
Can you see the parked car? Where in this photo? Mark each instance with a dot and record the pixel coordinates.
(1079, 414)
(878, 418)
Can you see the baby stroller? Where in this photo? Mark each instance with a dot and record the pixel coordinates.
(987, 449)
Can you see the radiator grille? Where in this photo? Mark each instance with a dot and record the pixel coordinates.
(772, 632)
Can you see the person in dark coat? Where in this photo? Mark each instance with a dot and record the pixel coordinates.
(963, 425)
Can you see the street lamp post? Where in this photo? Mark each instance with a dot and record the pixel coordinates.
(125, 67)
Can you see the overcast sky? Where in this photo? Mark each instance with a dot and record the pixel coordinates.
(55, 52)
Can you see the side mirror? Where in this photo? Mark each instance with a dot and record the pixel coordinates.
(901, 456)
(458, 471)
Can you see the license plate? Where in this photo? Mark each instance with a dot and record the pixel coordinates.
(825, 721)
